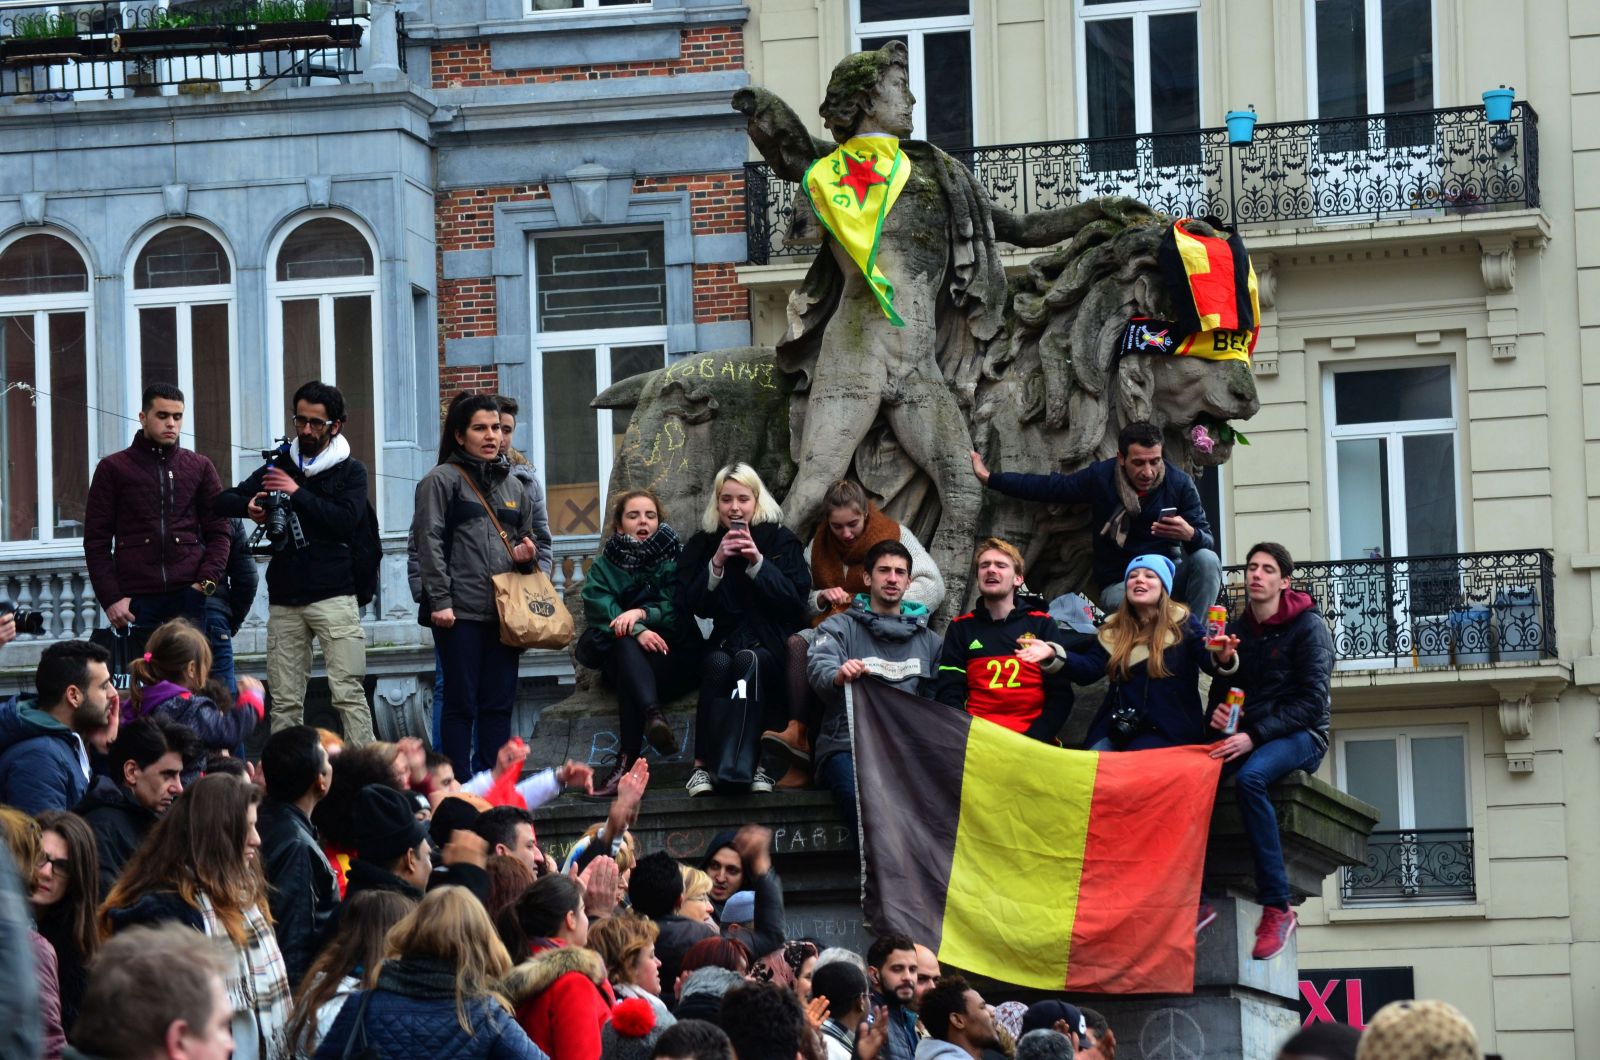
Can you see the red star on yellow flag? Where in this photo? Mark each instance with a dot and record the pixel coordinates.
(859, 177)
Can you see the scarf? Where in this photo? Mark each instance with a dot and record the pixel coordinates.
(1148, 335)
(843, 189)
(258, 986)
(336, 452)
(1116, 527)
(835, 569)
(630, 554)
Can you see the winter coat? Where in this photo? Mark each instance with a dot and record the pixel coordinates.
(151, 524)
(44, 960)
(1285, 665)
(412, 1016)
(366, 876)
(677, 935)
(768, 925)
(934, 1049)
(119, 822)
(72, 975)
(607, 586)
(538, 514)
(1172, 713)
(458, 551)
(217, 729)
(745, 611)
(927, 583)
(1096, 486)
(703, 993)
(899, 649)
(980, 673)
(304, 892)
(43, 764)
(562, 1000)
(242, 579)
(330, 506)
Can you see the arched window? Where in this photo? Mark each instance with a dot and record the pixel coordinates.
(324, 325)
(181, 320)
(45, 426)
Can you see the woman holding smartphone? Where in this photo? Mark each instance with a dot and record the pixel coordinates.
(746, 574)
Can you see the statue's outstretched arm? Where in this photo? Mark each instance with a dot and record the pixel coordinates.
(1049, 227)
(778, 133)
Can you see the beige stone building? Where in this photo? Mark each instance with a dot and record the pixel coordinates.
(1429, 437)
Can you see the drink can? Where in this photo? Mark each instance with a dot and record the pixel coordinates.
(1216, 626)
(1235, 702)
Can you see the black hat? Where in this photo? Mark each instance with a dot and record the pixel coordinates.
(452, 813)
(385, 824)
(1042, 1015)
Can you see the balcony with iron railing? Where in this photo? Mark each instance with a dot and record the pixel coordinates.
(109, 49)
(1462, 610)
(1381, 167)
(1415, 865)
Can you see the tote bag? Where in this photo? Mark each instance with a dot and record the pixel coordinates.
(531, 612)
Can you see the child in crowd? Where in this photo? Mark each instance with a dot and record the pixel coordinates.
(174, 678)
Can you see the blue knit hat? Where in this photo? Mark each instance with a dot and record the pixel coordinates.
(1157, 564)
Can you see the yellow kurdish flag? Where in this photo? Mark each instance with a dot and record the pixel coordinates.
(852, 190)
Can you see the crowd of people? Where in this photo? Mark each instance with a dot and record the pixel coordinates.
(343, 896)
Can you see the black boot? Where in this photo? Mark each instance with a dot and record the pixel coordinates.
(658, 733)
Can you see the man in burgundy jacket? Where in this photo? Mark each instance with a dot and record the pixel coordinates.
(155, 544)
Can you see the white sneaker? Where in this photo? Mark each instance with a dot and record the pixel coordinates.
(700, 783)
(762, 784)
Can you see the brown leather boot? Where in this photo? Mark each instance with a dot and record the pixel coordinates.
(797, 779)
(791, 743)
(658, 733)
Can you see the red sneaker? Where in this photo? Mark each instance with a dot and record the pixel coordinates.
(1205, 918)
(1272, 934)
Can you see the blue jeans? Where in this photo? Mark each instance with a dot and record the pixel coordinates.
(480, 689)
(838, 775)
(208, 613)
(438, 698)
(1253, 774)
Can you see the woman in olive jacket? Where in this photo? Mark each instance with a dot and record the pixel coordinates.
(459, 552)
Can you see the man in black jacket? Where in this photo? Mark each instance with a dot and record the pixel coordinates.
(304, 891)
(311, 585)
(147, 767)
(1286, 662)
(1139, 503)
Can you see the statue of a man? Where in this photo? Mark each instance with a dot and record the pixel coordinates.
(935, 249)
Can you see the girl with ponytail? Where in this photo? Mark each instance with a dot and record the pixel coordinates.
(174, 678)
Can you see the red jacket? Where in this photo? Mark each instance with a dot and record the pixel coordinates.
(151, 525)
(562, 1000)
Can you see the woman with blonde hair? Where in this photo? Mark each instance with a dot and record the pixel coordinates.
(627, 943)
(200, 865)
(695, 903)
(746, 574)
(436, 994)
(174, 678)
(1152, 651)
(349, 962)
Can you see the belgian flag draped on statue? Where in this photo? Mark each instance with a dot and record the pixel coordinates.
(1025, 862)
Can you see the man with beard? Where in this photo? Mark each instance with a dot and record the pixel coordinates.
(311, 581)
(959, 1024)
(44, 763)
(147, 773)
(892, 969)
(1004, 661)
(155, 543)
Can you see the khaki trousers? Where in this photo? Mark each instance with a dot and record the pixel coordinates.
(336, 623)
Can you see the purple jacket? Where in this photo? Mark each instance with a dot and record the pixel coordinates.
(151, 524)
(217, 728)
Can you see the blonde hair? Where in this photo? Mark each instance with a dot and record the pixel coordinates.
(625, 857)
(451, 925)
(767, 509)
(167, 655)
(696, 884)
(1124, 632)
(1006, 548)
(25, 838)
(619, 940)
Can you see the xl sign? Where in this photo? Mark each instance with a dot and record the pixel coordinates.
(1350, 995)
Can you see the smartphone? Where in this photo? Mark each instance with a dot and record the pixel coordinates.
(1167, 513)
(744, 527)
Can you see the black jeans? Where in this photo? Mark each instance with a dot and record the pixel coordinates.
(642, 679)
(717, 674)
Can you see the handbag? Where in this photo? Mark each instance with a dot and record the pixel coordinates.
(740, 721)
(531, 612)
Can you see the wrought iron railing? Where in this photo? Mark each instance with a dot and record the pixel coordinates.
(1382, 166)
(1422, 864)
(111, 50)
(1465, 609)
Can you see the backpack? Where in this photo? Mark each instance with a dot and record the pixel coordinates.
(366, 556)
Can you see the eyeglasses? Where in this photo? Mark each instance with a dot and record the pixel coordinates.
(312, 422)
(59, 865)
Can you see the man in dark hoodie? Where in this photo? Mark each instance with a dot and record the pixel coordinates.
(1286, 662)
(751, 846)
(147, 767)
(881, 635)
(44, 760)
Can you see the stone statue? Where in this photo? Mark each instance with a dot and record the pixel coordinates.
(1025, 371)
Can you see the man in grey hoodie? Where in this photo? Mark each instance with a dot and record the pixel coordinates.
(960, 1025)
(881, 635)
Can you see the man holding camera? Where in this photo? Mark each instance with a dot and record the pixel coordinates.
(311, 500)
(154, 542)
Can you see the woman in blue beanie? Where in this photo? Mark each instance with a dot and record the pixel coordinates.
(1152, 651)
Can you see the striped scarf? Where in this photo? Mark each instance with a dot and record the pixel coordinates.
(258, 986)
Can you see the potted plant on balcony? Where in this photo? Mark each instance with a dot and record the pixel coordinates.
(298, 24)
(43, 39)
(171, 33)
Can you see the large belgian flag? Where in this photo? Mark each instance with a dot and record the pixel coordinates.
(1026, 862)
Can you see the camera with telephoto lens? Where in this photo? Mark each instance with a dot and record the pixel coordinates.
(27, 621)
(275, 529)
(1126, 721)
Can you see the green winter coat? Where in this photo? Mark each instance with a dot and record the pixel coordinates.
(607, 584)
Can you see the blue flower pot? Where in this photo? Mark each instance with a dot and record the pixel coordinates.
(1242, 125)
(1497, 104)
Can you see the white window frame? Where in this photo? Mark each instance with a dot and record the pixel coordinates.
(1392, 431)
(1140, 11)
(532, 10)
(184, 299)
(914, 30)
(1374, 50)
(601, 341)
(40, 306)
(325, 291)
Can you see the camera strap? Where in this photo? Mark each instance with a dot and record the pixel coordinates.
(476, 492)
